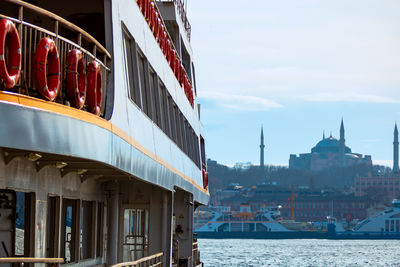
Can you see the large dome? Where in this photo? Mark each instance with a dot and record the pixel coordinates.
(329, 145)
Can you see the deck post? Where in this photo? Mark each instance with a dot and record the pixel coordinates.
(112, 225)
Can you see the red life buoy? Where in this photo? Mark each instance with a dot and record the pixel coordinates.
(205, 178)
(94, 84)
(177, 67)
(158, 29)
(76, 78)
(155, 24)
(149, 14)
(171, 59)
(47, 68)
(9, 75)
(182, 75)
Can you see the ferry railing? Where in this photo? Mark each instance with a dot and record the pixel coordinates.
(30, 36)
(182, 12)
(153, 260)
(22, 260)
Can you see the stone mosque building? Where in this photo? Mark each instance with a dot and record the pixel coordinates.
(329, 152)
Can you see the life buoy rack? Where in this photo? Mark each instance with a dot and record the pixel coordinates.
(76, 78)
(9, 37)
(47, 68)
(94, 85)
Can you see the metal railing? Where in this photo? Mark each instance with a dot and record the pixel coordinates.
(182, 12)
(22, 260)
(153, 260)
(30, 35)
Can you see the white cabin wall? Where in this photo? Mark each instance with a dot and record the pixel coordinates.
(126, 114)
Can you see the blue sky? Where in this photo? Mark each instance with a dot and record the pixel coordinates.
(297, 67)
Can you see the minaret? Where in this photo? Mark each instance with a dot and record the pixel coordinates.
(342, 143)
(262, 149)
(396, 150)
(342, 140)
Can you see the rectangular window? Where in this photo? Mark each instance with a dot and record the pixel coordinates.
(156, 98)
(391, 225)
(86, 230)
(70, 218)
(172, 118)
(99, 228)
(203, 152)
(386, 225)
(131, 69)
(143, 83)
(167, 118)
(136, 234)
(53, 221)
(397, 226)
(25, 212)
(178, 126)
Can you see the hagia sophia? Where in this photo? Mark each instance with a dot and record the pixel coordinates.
(329, 152)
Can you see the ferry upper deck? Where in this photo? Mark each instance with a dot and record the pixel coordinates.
(100, 134)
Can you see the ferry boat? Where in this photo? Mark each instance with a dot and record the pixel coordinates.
(384, 225)
(102, 155)
(263, 224)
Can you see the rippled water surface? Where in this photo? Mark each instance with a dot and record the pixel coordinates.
(295, 252)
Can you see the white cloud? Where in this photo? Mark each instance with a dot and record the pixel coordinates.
(239, 102)
(302, 51)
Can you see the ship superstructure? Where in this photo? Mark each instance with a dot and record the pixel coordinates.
(102, 158)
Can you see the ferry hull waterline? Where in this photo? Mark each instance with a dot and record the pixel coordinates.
(102, 159)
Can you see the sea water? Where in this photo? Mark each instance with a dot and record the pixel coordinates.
(299, 252)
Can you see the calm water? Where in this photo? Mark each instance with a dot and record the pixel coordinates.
(309, 252)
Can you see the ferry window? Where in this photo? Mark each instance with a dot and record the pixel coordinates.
(155, 97)
(99, 236)
(203, 152)
(391, 225)
(25, 206)
(168, 119)
(131, 69)
(178, 126)
(143, 83)
(53, 220)
(183, 132)
(86, 230)
(69, 230)
(161, 90)
(386, 225)
(397, 226)
(172, 118)
(136, 234)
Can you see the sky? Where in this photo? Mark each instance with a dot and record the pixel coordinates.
(297, 67)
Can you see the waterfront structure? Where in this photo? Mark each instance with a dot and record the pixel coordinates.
(262, 146)
(102, 159)
(329, 152)
(308, 206)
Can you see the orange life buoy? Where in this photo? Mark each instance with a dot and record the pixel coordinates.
(9, 75)
(76, 78)
(94, 84)
(47, 68)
